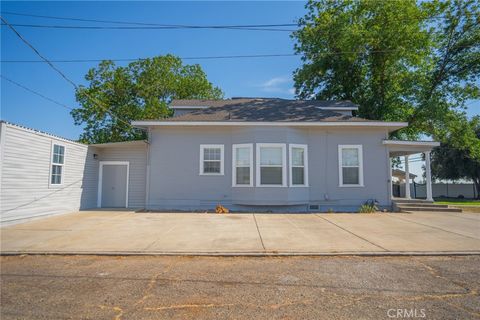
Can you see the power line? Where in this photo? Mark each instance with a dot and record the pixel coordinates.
(106, 109)
(42, 26)
(437, 17)
(151, 24)
(183, 58)
(216, 57)
(36, 93)
(133, 25)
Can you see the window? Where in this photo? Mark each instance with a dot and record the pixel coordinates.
(242, 168)
(211, 159)
(350, 165)
(298, 165)
(271, 164)
(58, 160)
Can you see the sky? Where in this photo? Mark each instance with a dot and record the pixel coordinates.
(244, 77)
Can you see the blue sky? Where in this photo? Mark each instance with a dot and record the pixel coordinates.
(266, 77)
(237, 77)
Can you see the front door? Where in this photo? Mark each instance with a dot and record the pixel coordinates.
(114, 179)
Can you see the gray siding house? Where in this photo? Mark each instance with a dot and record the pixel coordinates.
(248, 154)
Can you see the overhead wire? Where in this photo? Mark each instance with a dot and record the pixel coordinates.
(36, 93)
(64, 76)
(42, 26)
(136, 59)
(148, 23)
(211, 57)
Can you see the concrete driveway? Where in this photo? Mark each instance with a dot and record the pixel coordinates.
(114, 232)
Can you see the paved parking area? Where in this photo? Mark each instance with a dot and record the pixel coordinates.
(116, 232)
(161, 287)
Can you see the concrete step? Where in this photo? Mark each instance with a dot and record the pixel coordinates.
(431, 209)
(412, 201)
(426, 205)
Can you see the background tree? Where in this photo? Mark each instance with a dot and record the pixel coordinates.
(450, 162)
(141, 90)
(398, 60)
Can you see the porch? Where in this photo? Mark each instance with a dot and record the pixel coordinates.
(401, 148)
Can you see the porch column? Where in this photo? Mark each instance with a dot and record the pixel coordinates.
(428, 176)
(407, 179)
(390, 184)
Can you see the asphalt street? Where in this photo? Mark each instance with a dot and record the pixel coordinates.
(169, 287)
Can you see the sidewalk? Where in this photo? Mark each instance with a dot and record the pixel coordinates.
(120, 232)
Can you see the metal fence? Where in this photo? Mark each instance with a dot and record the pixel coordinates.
(439, 190)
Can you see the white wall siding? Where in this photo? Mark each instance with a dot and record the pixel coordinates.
(25, 175)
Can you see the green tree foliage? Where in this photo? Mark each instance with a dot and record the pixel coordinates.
(450, 162)
(398, 60)
(141, 90)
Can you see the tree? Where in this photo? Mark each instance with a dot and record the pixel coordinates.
(398, 60)
(141, 90)
(449, 162)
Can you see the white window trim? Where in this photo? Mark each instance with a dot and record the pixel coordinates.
(222, 158)
(55, 185)
(234, 166)
(360, 165)
(284, 165)
(305, 164)
(100, 179)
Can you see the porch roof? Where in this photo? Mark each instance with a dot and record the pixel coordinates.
(398, 148)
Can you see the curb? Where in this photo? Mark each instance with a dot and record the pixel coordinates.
(247, 254)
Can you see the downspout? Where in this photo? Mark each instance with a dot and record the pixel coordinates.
(389, 172)
(147, 172)
(326, 195)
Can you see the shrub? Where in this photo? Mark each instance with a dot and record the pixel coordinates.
(370, 206)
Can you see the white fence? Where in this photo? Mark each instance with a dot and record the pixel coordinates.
(450, 190)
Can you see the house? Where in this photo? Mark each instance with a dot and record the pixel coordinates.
(248, 154)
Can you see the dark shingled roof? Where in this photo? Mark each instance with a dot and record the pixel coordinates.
(263, 109)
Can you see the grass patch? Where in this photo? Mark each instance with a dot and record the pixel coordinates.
(457, 202)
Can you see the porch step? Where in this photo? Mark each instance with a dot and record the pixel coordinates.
(417, 201)
(426, 205)
(412, 205)
(413, 208)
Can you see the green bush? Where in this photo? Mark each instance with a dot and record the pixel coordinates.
(369, 206)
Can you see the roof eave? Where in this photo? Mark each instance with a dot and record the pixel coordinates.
(411, 143)
(339, 108)
(189, 107)
(391, 126)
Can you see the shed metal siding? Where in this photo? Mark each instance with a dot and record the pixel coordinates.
(25, 176)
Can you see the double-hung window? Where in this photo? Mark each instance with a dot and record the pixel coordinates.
(271, 164)
(57, 163)
(298, 165)
(350, 165)
(211, 159)
(242, 159)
